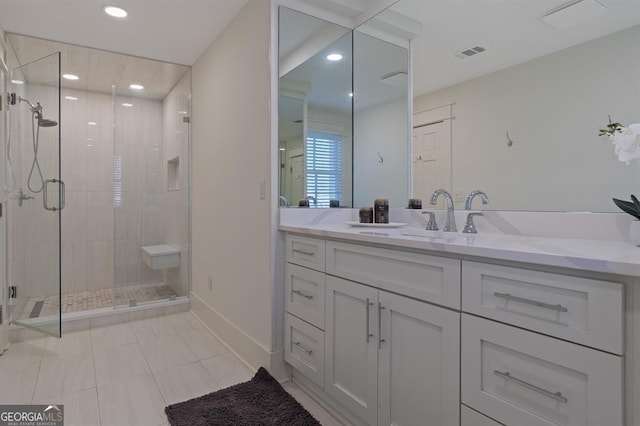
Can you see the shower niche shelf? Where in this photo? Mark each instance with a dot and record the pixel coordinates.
(173, 174)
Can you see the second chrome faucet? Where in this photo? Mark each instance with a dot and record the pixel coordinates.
(450, 224)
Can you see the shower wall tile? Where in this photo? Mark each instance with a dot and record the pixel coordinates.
(100, 224)
(74, 267)
(100, 111)
(74, 217)
(74, 164)
(99, 167)
(100, 264)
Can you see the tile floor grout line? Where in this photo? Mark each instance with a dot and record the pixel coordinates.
(35, 385)
(95, 375)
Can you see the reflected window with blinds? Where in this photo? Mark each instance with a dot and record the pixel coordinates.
(324, 168)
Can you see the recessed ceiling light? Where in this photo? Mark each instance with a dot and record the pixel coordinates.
(116, 12)
(17, 81)
(126, 104)
(183, 112)
(71, 98)
(135, 86)
(334, 57)
(351, 95)
(92, 123)
(70, 77)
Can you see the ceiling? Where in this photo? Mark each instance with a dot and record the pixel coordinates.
(179, 31)
(175, 31)
(98, 70)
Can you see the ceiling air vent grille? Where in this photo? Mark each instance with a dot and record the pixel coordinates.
(471, 51)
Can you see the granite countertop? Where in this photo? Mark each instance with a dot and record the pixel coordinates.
(615, 257)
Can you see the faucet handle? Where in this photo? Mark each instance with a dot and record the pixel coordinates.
(470, 227)
(431, 224)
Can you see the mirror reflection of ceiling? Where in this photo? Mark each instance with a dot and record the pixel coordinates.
(98, 69)
(512, 32)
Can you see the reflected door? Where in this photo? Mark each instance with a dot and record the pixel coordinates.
(431, 157)
(35, 196)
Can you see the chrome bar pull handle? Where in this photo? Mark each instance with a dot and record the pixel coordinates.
(369, 335)
(380, 339)
(45, 195)
(306, 253)
(507, 296)
(508, 377)
(298, 344)
(300, 293)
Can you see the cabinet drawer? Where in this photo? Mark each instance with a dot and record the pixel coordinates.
(523, 378)
(304, 348)
(304, 290)
(306, 251)
(430, 278)
(469, 417)
(581, 310)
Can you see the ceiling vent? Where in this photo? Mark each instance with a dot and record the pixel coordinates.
(471, 51)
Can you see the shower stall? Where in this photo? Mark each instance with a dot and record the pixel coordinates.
(96, 183)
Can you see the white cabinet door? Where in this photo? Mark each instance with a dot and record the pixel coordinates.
(419, 363)
(351, 346)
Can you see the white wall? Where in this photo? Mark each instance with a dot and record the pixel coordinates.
(552, 108)
(381, 129)
(232, 228)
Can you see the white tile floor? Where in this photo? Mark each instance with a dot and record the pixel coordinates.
(125, 374)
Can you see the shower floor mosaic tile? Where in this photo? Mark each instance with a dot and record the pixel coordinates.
(96, 299)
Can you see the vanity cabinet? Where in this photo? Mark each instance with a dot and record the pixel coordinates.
(388, 358)
(391, 359)
(404, 337)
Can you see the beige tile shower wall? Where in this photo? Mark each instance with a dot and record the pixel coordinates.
(112, 175)
(137, 187)
(87, 169)
(175, 200)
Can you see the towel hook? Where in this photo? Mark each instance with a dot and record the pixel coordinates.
(509, 141)
(380, 159)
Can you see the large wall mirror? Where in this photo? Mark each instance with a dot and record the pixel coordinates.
(343, 114)
(315, 118)
(519, 117)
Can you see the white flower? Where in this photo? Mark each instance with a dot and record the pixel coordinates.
(626, 143)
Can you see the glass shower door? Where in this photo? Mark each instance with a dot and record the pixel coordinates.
(35, 196)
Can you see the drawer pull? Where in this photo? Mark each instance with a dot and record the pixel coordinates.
(306, 296)
(369, 335)
(306, 253)
(298, 344)
(507, 376)
(507, 296)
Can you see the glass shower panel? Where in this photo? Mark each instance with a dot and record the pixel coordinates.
(151, 191)
(35, 196)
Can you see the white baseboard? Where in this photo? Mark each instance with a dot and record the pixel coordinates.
(245, 347)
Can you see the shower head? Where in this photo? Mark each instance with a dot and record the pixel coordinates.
(43, 122)
(37, 111)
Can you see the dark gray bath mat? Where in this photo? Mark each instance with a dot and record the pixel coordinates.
(259, 402)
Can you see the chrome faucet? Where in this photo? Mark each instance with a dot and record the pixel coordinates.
(312, 198)
(450, 224)
(283, 201)
(472, 194)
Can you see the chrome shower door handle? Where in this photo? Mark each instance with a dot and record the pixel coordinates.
(45, 198)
